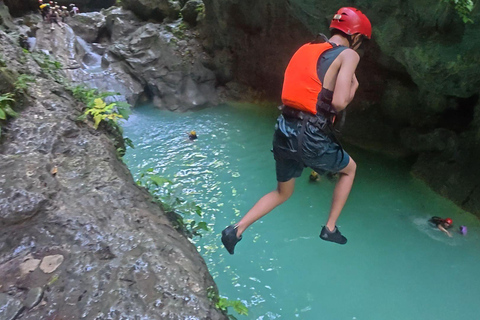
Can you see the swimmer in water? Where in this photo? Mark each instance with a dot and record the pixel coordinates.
(314, 176)
(442, 224)
(192, 135)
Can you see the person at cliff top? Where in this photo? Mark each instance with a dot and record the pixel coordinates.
(53, 17)
(74, 9)
(64, 14)
(44, 10)
(442, 224)
(23, 41)
(319, 82)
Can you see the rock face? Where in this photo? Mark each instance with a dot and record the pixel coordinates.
(170, 69)
(157, 10)
(114, 51)
(68, 201)
(420, 74)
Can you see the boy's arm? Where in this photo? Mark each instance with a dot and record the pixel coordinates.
(346, 84)
(444, 230)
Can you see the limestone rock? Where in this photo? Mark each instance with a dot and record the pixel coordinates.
(190, 11)
(124, 255)
(153, 9)
(5, 18)
(34, 296)
(10, 307)
(50, 263)
(28, 265)
(87, 25)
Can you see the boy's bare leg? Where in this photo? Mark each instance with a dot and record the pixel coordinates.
(341, 192)
(266, 204)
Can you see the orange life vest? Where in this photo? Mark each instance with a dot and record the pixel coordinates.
(301, 85)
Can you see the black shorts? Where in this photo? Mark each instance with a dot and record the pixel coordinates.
(318, 150)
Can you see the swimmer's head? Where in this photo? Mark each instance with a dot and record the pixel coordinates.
(193, 133)
(449, 221)
(313, 176)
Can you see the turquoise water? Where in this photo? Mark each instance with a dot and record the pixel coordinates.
(395, 266)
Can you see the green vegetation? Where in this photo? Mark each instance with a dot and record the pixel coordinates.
(23, 82)
(99, 110)
(50, 68)
(182, 212)
(6, 110)
(200, 9)
(103, 112)
(464, 8)
(223, 304)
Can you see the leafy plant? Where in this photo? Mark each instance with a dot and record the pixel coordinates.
(464, 8)
(6, 104)
(200, 9)
(165, 194)
(22, 82)
(49, 67)
(237, 305)
(88, 95)
(97, 107)
(224, 303)
(129, 142)
(103, 112)
(3, 63)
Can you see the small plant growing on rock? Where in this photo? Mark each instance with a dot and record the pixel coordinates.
(179, 210)
(464, 8)
(6, 104)
(49, 67)
(97, 107)
(23, 81)
(2, 61)
(103, 112)
(224, 303)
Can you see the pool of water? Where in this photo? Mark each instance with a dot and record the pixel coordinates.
(395, 266)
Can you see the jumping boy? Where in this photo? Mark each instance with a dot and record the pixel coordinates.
(319, 82)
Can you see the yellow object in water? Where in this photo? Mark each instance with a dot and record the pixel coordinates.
(44, 5)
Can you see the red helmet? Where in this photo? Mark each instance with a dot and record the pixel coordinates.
(449, 221)
(351, 21)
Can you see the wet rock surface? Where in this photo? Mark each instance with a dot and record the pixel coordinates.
(10, 307)
(68, 202)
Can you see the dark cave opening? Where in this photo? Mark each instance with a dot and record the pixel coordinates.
(459, 117)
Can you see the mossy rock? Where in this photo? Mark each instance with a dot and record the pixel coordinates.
(7, 80)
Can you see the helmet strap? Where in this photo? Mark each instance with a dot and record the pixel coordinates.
(350, 40)
(320, 38)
